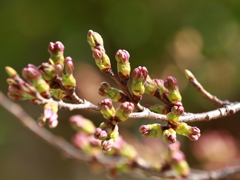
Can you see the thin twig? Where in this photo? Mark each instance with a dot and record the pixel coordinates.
(192, 79)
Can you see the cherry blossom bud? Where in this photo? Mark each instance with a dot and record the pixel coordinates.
(123, 65)
(169, 136)
(174, 94)
(140, 74)
(47, 71)
(69, 81)
(79, 123)
(178, 109)
(33, 76)
(100, 134)
(189, 75)
(107, 145)
(172, 117)
(124, 110)
(56, 50)
(151, 130)
(94, 39)
(102, 60)
(150, 86)
(31, 73)
(160, 109)
(69, 67)
(11, 72)
(112, 93)
(193, 133)
(107, 109)
(104, 130)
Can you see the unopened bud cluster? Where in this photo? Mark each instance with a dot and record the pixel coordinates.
(105, 138)
(44, 81)
(108, 131)
(169, 132)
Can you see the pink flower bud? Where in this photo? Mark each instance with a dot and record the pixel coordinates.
(122, 56)
(31, 73)
(170, 83)
(69, 67)
(55, 48)
(140, 73)
(107, 145)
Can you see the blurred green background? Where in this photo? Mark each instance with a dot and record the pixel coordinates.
(165, 36)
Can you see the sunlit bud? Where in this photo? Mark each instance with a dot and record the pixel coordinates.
(104, 130)
(172, 117)
(79, 123)
(124, 110)
(100, 134)
(107, 109)
(169, 136)
(47, 71)
(150, 86)
(69, 81)
(107, 145)
(56, 50)
(174, 94)
(43, 88)
(69, 67)
(193, 133)
(102, 60)
(160, 109)
(112, 93)
(31, 74)
(94, 39)
(188, 74)
(140, 74)
(151, 130)
(11, 72)
(123, 65)
(122, 56)
(177, 109)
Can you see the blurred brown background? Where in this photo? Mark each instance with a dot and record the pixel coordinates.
(165, 36)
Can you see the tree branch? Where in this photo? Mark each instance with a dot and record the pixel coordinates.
(73, 153)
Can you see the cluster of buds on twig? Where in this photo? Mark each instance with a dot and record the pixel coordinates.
(45, 81)
(95, 140)
(169, 132)
(108, 131)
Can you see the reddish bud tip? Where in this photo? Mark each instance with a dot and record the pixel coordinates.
(122, 56)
